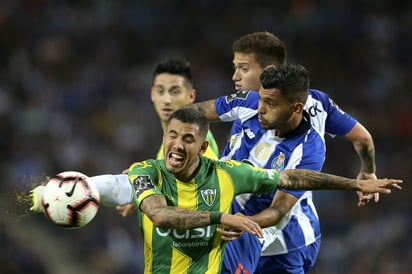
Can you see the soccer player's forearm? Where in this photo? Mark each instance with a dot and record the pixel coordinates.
(161, 215)
(208, 108)
(367, 157)
(312, 180)
(281, 204)
(363, 144)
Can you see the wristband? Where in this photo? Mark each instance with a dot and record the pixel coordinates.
(215, 217)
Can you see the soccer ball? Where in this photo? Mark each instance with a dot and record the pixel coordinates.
(69, 200)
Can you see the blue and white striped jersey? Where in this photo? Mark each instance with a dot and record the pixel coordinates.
(302, 148)
(326, 117)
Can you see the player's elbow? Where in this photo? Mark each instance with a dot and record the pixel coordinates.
(271, 216)
(159, 221)
(360, 136)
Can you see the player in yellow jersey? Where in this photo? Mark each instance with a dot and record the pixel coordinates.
(184, 196)
(172, 88)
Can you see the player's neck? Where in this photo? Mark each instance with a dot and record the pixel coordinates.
(286, 128)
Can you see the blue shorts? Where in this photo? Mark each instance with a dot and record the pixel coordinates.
(295, 262)
(242, 255)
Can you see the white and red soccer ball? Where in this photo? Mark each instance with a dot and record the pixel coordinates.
(69, 200)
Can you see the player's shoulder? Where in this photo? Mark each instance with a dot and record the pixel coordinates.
(242, 97)
(317, 97)
(228, 165)
(318, 94)
(149, 163)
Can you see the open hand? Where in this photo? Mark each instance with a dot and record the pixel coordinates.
(240, 223)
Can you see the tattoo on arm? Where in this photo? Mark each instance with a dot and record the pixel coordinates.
(162, 215)
(367, 157)
(312, 180)
(209, 109)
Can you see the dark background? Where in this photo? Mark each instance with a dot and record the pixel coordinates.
(74, 95)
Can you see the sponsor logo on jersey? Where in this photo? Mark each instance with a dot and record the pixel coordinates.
(314, 110)
(262, 151)
(231, 163)
(279, 162)
(180, 234)
(209, 196)
(250, 133)
(239, 95)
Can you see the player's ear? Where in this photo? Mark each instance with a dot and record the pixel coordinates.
(204, 147)
(298, 107)
(192, 96)
(269, 66)
(152, 91)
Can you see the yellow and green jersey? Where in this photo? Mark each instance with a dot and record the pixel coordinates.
(211, 152)
(198, 250)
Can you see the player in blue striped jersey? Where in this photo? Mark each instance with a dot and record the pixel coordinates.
(252, 54)
(287, 142)
(276, 133)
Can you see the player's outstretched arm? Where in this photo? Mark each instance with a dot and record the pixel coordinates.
(313, 180)
(162, 215)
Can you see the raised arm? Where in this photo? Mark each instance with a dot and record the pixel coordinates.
(313, 180)
(363, 144)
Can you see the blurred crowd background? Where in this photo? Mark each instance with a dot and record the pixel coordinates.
(74, 95)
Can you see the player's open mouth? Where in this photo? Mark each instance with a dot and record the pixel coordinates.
(176, 159)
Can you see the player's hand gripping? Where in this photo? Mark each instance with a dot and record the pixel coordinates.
(36, 196)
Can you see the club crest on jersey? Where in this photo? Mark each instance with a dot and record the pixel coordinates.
(209, 196)
(239, 95)
(279, 162)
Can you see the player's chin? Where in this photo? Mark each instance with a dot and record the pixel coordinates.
(263, 124)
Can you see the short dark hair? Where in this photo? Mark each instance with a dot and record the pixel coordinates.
(192, 115)
(176, 66)
(267, 48)
(291, 80)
